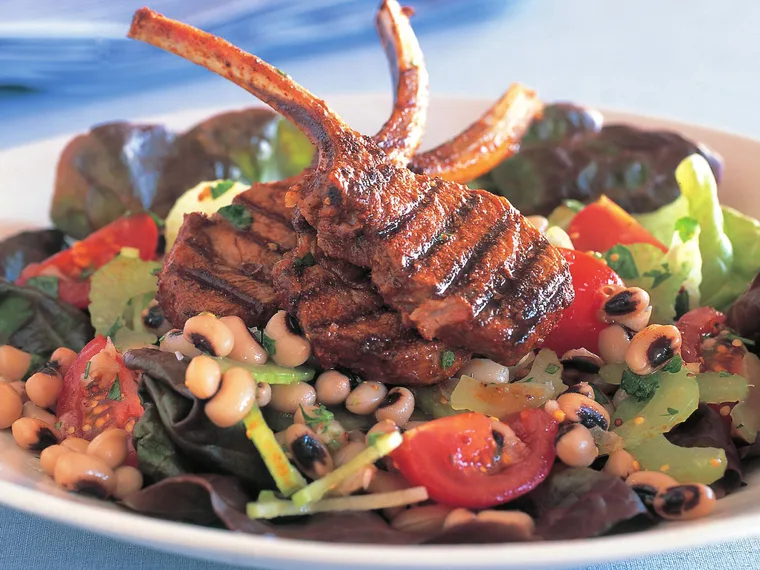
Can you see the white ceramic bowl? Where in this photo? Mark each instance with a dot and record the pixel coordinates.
(26, 180)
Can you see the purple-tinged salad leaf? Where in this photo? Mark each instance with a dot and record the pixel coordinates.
(579, 502)
(18, 251)
(744, 314)
(107, 172)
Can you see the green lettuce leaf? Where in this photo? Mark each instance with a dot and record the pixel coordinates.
(660, 222)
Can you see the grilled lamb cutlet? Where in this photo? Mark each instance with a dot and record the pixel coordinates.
(460, 265)
(214, 267)
(350, 326)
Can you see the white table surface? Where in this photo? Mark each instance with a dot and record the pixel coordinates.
(694, 60)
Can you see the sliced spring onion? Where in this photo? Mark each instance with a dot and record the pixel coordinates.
(720, 388)
(319, 488)
(270, 373)
(286, 477)
(269, 507)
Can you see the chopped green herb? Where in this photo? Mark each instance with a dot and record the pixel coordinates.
(674, 365)
(87, 369)
(372, 438)
(157, 219)
(114, 327)
(300, 263)
(238, 215)
(640, 387)
(115, 392)
(551, 368)
(58, 425)
(659, 275)
(620, 259)
(600, 396)
(48, 284)
(447, 359)
(319, 416)
(687, 228)
(672, 411)
(156, 271)
(444, 237)
(257, 334)
(575, 205)
(723, 374)
(268, 343)
(221, 187)
(281, 72)
(682, 303)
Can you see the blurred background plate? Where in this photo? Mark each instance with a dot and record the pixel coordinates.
(79, 46)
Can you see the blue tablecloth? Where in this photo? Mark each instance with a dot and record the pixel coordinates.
(695, 61)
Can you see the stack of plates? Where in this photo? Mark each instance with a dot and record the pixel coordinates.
(79, 46)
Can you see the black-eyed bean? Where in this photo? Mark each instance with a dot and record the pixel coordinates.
(366, 398)
(685, 502)
(20, 388)
(485, 370)
(235, 398)
(203, 376)
(653, 479)
(77, 444)
(11, 405)
(154, 320)
(614, 341)
(62, 359)
(33, 434)
(636, 321)
(128, 480)
(44, 387)
(263, 394)
(286, 346)
(209, 334)
(623, 304)
(111, 446)
(174, 341)
(245, 348)
(361, 479)
(652, 348)
(576, 446)
(397, 406)
(425, 519)
(309, 453)
(31, 410)
(84, 473)
(13, 362)
(333, 387)
(49, 457)
(457, 517)
(521, 523)
(622, 464)
(583, 388)
(583, 410)
(582, 360)
(286, 398)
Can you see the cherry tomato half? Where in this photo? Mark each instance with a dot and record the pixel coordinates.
(603, 224)
(457, 459)
(579, 327)
(88, 405)
(696, 324)
(72, 266)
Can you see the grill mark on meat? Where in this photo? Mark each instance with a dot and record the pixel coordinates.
(213, 282)
(425, 199)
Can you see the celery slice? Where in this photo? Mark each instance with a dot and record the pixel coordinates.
(719, 388)
(612, 373)
(746, 414)
(286, 477)
(319, 488)
(685, 464)
(673, 402)
(269, 507)
(269, 372)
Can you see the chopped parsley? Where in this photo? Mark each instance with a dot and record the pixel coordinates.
(447, 359)
(620, 259)
(115, 392)
(671, 412)
(238, 215)
(268, 343)
(157, 219)
(221, 188)
(58, 425)
(687, 228)
(319, 416)
(640, 387)
(300, 263)
(551, 368)
(372, 438)
(156, 271)
(659, 275)
(87, 369)
(48, 284)
(674, 365)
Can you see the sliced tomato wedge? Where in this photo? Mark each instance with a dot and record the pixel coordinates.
(579, 326)
(91, 402)
(73, 266)
(459, 462)
(694, 326)
(603, 224)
